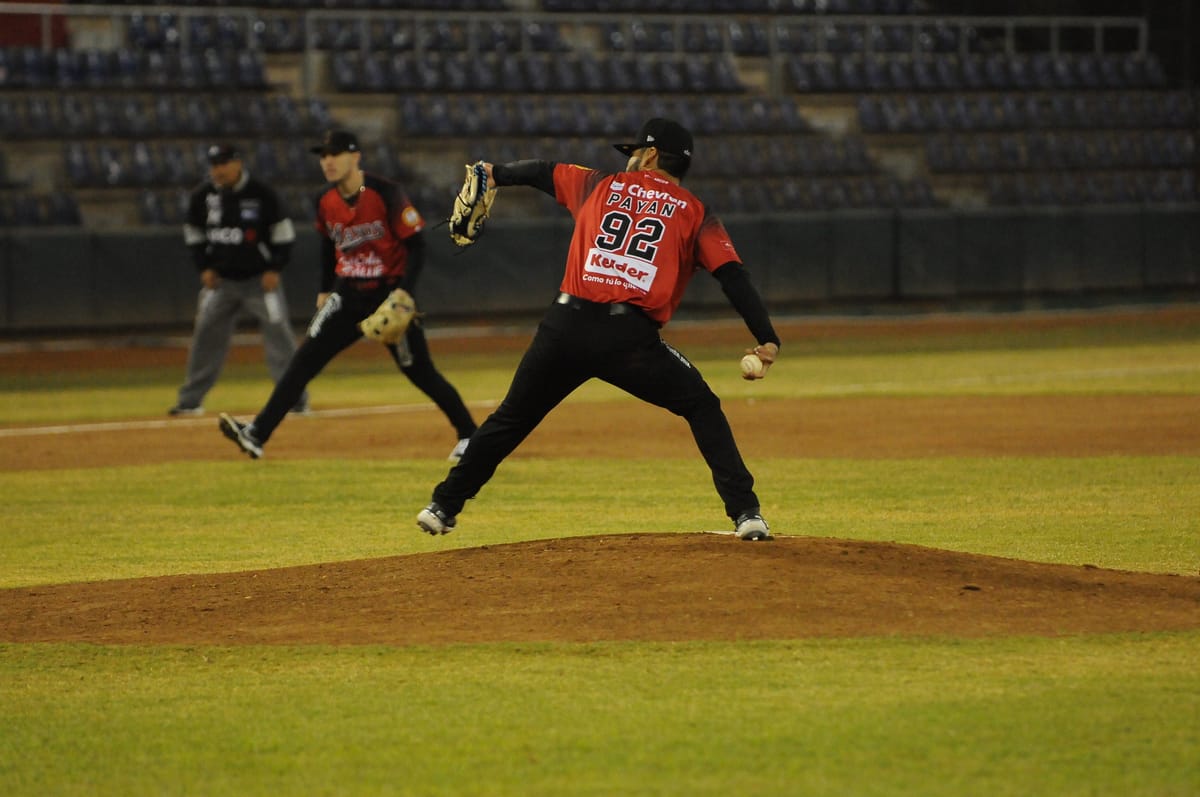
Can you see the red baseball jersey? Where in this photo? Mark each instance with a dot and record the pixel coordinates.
(638, 238)
(368, 233)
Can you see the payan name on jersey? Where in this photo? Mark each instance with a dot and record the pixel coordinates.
(639, 199)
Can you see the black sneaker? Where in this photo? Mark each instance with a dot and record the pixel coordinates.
(240, 434)
(751, 527)
(434, 520)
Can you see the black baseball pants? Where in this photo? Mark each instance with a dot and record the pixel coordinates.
(333, 329)
(574, 344)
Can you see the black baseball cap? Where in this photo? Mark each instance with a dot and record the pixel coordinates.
(666, 135)
(223, 153)
(335, 143)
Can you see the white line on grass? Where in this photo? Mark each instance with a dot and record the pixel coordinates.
(127, 426)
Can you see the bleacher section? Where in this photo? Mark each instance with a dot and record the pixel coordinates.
(804, 105)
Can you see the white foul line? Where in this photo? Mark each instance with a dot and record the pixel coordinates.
(128, 426)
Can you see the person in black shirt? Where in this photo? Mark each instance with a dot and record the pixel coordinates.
(240, 239)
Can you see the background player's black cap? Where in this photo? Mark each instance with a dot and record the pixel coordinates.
(666, 135)
(223, 153)
(336, 142)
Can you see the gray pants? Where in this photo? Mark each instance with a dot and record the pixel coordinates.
(216, 317)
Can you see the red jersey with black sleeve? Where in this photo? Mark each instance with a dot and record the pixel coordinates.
(368, 233)
(638, 238)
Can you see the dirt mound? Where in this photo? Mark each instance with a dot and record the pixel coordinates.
(665, 587)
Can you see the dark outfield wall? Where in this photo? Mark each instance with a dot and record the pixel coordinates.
(73, 281)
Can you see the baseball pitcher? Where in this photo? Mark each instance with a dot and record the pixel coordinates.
(639, 237)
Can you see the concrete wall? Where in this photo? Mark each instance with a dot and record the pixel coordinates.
(64, 281)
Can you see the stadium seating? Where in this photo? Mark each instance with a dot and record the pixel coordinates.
(756, 79)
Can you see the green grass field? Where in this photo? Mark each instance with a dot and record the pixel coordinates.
(1087, 715)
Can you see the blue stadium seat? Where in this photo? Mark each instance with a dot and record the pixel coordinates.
(283, 115)
(79, 167)
(279, 33)
(175, 166)
(197, 116)
(439, 119)
(145, 167)
(1009, 153)
(876, 75)
(165, 115)
(901, 74)
(189, 70)
(748, 38)
(228, 114)
(111, 167)
(411, 114)
(1012, 111)
(798, 39)
(702, 37)
(319, 116)
(299, 164)
(264, 162)
(154, 70)
(374, 74)
(924, 75)
(34, 68)
(249, 70)
(948, 72)
(870, 114)
(73, 114)
(1112, 75)
(256, 116)
(343, 70)
(67, 68)
(218, 68)
(98, 68)
(39, 117)
(11, 124)
(1087, 68)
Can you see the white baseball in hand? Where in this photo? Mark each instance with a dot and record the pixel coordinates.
(752, 367)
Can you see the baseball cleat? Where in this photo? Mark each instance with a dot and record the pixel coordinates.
(434, 520)
(751, 527)
(179, 410)
(459, 449)
(240, 434)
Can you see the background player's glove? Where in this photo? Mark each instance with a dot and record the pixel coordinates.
(472, 206)
(389, 322)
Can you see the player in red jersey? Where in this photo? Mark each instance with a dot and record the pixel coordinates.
(372, 242)
(639, 237)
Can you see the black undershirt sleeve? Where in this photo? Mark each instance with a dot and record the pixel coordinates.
(736, 284)
(536, 173)
(328, 265)
(416, 262)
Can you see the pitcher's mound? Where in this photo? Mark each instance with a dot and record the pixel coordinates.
(668, 587)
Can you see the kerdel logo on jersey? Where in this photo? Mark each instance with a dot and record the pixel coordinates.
(621, 269)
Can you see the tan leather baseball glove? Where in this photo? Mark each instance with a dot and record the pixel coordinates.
(472, 206)
(391, 319)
